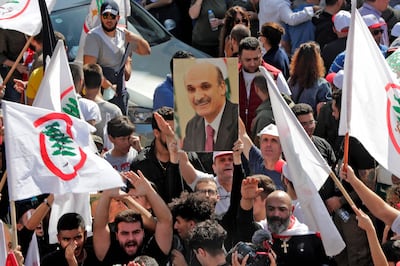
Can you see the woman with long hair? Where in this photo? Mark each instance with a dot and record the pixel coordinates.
(307, 73)
(233, 16)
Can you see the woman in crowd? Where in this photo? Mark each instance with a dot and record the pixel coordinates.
(233, 16)
(270, 37)
(306, 77)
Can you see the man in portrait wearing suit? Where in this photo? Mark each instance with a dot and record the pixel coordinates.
(215, 125)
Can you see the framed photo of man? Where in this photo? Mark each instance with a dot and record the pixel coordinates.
(206, 103)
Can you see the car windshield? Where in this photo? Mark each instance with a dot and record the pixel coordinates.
(69, 21)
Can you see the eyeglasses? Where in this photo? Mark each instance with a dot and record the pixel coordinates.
(376, 32)
(243, 21)
(209, 192)
(308, 123)
(108, 16)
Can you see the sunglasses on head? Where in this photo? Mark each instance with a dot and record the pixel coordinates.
(376, 32)
(243, 21)
(108, 15)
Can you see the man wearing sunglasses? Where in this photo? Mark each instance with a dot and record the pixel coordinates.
(111, 47)
(375, 26)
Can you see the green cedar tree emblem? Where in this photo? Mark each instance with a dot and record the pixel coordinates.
(59, 139)
(71, 108)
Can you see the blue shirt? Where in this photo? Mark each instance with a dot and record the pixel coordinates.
(164, 94)
(256, 165)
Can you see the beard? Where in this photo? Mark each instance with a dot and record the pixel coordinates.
(108, 29)
(277, 225)
(127, 246)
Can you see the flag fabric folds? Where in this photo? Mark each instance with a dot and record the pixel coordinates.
(32, 257)
(370, 108)
(49, 152)
(23, 16)
(56, 91)
(311, 170)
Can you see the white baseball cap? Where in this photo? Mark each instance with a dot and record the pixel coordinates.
(271, 129)
(341, 21)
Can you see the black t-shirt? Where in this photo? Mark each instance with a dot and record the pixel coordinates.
(116, 255)
(300, 250)
(58, 258)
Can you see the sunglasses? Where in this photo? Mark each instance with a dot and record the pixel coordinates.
(376, 32)
(243, 21)
(108, 16)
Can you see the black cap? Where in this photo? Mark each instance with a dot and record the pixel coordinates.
(109, 6)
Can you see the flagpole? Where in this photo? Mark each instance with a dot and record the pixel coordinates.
(341, 188)
(21, 54)
(3, 180)
(346, 151)
(14, 238)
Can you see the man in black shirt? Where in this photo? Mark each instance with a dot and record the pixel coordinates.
(71, 234)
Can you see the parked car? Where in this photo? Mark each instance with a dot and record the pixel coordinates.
(147, 71)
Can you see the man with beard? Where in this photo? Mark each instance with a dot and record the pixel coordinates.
(71, 235)
(293, 242)
(128, 241)
(250, 59)
(157, 162)
(214, 127)
(111, 48)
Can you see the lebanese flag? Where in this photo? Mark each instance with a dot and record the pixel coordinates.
(23, 15)
(370, 108)
(309, 170)
(49, 152)
(92, 20)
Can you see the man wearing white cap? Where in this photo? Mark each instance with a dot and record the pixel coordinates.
(341, 24)
(266, 160)
(376, 8)
(375, 26)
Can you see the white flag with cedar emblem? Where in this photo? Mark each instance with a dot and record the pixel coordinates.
(309, 169)
(371, 98)
(23, 15)
(49, 152)
(57, 90)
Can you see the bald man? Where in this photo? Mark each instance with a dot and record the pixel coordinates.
(215, 125)
(294, 243)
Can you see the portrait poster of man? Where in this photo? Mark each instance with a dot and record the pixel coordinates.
(206, 103)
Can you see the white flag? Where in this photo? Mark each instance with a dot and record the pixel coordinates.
(49, 152)
(311, 170)
(3, 245)
(23, 16)
(92, 20)
(57, 91)
(32, 257)
(371, 98)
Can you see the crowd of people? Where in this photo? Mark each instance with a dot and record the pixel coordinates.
(233, 203)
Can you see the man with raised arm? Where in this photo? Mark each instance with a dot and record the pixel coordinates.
(129, 241)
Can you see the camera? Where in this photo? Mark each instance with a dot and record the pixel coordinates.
(257, 256)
